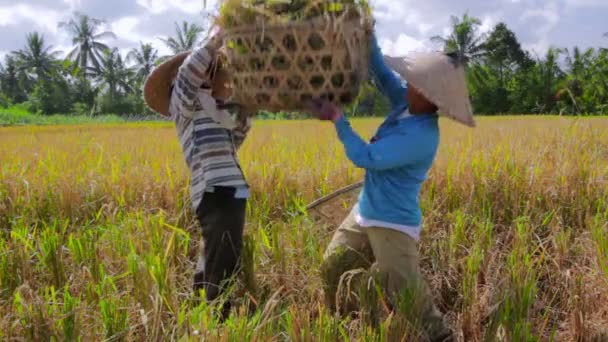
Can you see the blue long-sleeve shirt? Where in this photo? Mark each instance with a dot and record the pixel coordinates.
(399, 158)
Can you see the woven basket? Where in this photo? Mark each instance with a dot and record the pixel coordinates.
(331, 210)
(279, 67)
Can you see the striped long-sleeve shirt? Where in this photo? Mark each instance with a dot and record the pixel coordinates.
(208, 134)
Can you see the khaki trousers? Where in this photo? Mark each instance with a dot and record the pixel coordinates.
(393, 257)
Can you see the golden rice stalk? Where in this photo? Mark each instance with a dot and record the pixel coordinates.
(236, 13)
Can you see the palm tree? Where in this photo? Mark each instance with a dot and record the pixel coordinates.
(36, 59)
(86, 38)
(13, 82)
(465, 41)
(112, 75)
(143, 59)
(598, 81)
(550, 76)
(7, 73)
(573, 86)
(187, 36)
(578, 61)
(8, 81)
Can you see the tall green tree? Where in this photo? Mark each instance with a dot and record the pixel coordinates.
(5, 100)
(489, 76)
(549, 75)
(112, 76)
(572, 88)
(503, 51)
(54, 94)
(584, 88)
(143, 59)
(465, 40)
(36, 58)
(10, 81)
(186, 37)
(596, 89)
(45, 81)
(87, 35)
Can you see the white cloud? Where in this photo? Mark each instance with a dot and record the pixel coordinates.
(154, 6)
(549, 13)
(424, 28)
(487, 23)
(402, 25)
(587, 3)
(187, 6)
(74, 4)
(546, 20)
(402, 45)
(391, 10)
(63, 49)
(16, 14)
(125, 29)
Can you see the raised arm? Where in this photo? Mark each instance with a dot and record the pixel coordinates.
(190, 77)
(243, 125)
(386, 79)
(387, 153)
(393, 151)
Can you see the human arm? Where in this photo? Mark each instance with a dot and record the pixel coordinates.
(243, 125)
(191, 75)
(386, 80)
(393, 151)
(389, 152)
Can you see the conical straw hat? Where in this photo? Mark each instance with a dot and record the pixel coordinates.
(157, 89)
(439, 78)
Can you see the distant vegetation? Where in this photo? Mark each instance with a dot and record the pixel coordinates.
(95, 78)
(17, 115)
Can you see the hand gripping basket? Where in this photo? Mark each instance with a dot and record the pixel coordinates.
(278, 67)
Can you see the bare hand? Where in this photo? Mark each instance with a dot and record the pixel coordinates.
(217, 40)
(324, 110)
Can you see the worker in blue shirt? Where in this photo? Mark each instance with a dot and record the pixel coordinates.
(384, 226)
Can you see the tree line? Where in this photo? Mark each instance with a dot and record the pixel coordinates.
(96, 78)
(504, 78)
(93, 78)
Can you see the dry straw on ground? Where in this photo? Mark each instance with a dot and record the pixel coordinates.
(98, 241)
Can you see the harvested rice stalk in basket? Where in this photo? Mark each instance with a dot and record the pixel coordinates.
(283, 53)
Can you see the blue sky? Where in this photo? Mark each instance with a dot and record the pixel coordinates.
(403, 25)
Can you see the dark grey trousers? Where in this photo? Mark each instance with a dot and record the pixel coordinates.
(222, 219)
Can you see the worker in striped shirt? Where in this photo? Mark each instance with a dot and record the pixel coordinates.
(192, 89)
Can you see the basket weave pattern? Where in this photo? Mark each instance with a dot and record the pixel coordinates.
(278, 68)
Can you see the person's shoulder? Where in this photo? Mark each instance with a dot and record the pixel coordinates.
(424, 121)
(419, 128)
(428, 132)
(429, 125)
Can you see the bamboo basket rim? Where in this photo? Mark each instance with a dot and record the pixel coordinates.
(321, 20)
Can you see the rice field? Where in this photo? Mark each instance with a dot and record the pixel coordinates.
(97, 241)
